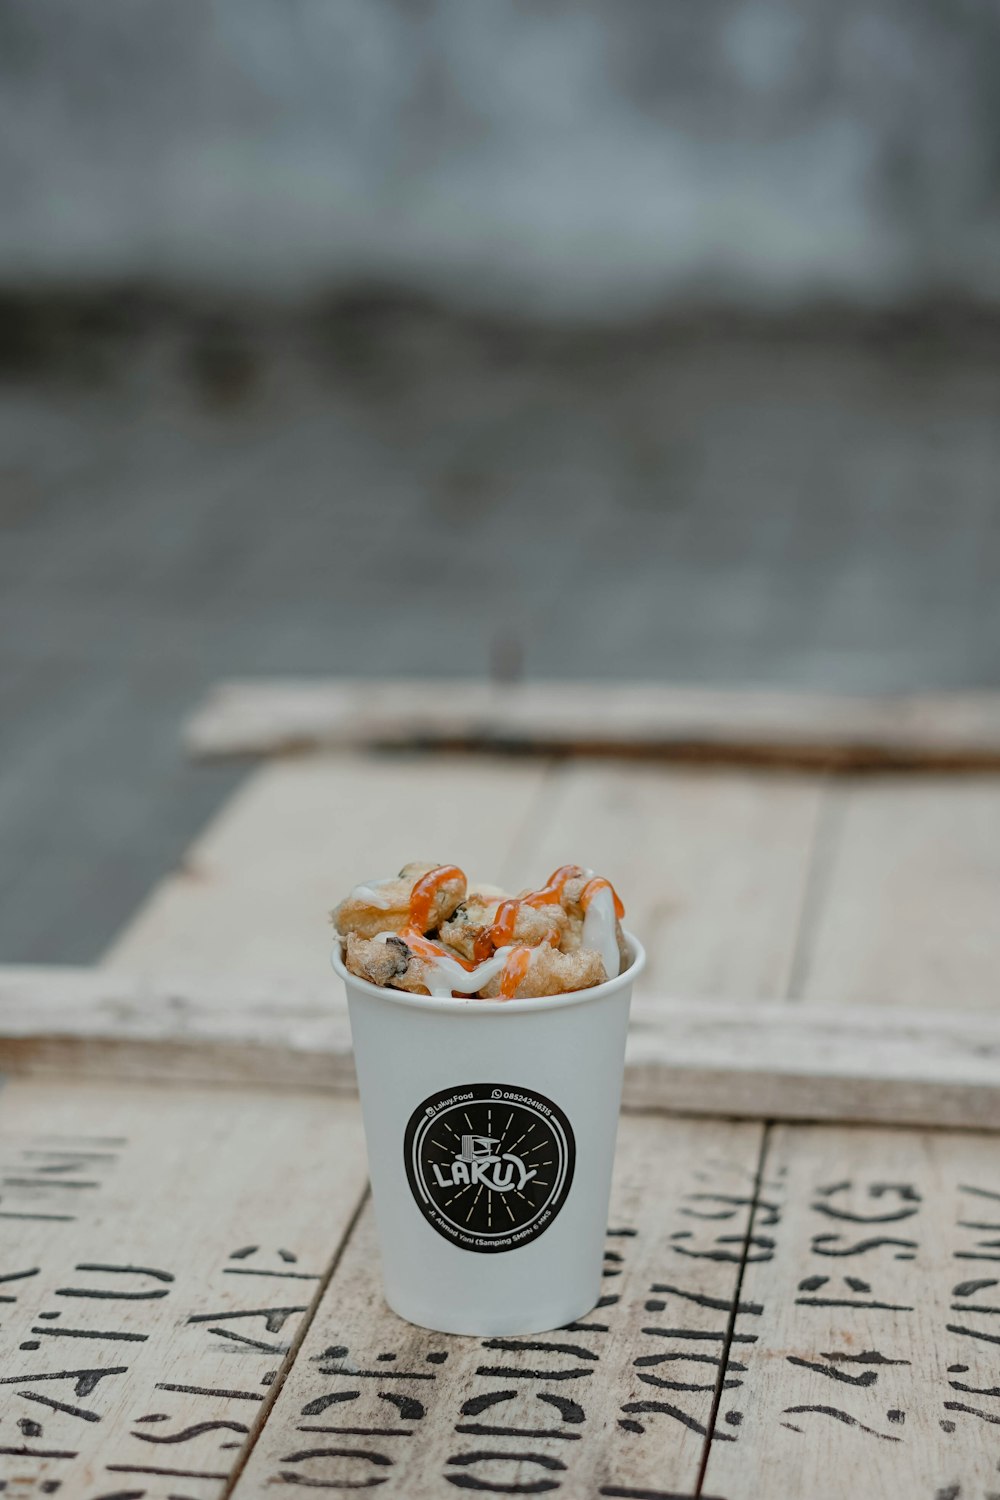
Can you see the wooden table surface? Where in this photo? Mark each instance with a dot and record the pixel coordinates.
(189, 1273)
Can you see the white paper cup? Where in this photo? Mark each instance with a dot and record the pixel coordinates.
(491, 1136)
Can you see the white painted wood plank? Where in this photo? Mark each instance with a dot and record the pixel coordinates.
(751, 1060)
(711, 865)
(869, 1327)
(621, 1399)
(254, 894)
(909, 906)
(282, 715)
(159, 1252)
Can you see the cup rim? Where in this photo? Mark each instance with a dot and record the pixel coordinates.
(469, 1005)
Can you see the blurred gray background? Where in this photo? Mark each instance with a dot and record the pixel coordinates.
(578, 160)
(632, 339)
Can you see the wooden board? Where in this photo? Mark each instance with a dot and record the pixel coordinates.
(620, 1403)
(869, 1321)
(743, 885)
(830, 1329)
(910, 896)
(254, 894)
(752, 1060)
(696, 854)
(160, 1252)
(267, 717)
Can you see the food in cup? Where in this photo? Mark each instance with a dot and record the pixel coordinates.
(427, 932)
(490, 1127)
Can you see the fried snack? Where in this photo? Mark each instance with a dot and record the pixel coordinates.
(570, 899)
(385, 905)
(473, 918)
(420, 931)
(385, 961)
(409, 961)
(545, 971)
(391, 961)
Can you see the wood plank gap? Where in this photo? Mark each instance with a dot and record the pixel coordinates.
(815, 885)
(720, 1384)
(826, 836)
(288, 1363)
(828, 821)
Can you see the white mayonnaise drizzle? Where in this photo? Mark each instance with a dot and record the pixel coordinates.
(599, 930)
(443, 975)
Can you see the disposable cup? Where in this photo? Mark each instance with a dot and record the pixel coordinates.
(491, 1129)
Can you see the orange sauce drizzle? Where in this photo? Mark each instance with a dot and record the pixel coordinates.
(422, 898)
(424, 894)
(504, 922)
(514, 971)
(501, 930)
(425, 947)
(551, 892)
(591, 889)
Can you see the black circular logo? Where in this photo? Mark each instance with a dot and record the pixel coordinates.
(489, 1165)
